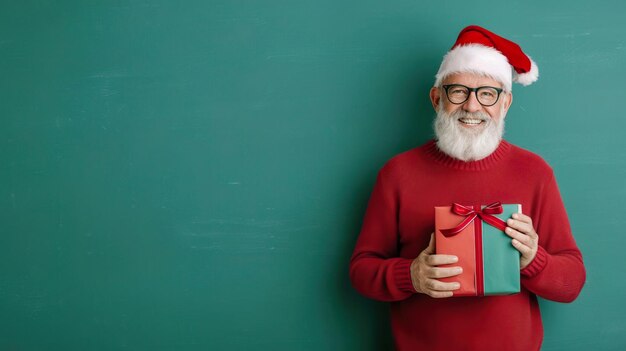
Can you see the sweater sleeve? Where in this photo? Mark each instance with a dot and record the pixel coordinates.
(376, 271)
(557, 272)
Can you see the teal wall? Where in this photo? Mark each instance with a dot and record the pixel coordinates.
(192, 175)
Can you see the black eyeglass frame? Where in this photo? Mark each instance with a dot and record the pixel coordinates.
(470, 90)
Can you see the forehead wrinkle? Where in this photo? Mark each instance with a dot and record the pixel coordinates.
(472, 80)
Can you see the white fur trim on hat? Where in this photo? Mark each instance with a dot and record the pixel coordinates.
(479, 59)
(529, 77)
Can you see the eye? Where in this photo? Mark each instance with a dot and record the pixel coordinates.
(458, 91)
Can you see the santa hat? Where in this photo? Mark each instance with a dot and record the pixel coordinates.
(480, 51)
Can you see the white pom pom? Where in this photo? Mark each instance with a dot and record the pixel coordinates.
(528, 77)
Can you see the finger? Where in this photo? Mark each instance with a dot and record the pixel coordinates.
(436, 285)
(431, 245)
(437, 272)
(522, 217)
(440, 294)
(435, 260)
(519, 225)
(521, 237)
(523, 249)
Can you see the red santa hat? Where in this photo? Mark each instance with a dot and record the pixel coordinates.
(480, 51)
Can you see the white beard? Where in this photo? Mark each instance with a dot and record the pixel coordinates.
(464, 143)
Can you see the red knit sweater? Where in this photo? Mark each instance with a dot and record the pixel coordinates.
(397, 227)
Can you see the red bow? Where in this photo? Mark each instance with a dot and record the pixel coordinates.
(486, 214)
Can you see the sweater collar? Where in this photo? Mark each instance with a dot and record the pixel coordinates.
(483, 164)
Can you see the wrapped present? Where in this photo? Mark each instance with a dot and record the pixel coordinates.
(475, 234)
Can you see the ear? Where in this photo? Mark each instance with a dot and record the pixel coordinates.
(508, 101)
(435, 97)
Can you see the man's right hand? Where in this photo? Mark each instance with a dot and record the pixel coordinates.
(425, 274)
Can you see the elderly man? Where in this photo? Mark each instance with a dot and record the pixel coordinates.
(394, 258)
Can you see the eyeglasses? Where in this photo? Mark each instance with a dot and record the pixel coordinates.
(458, 94)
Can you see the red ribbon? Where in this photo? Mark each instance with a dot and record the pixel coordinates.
(486, 214)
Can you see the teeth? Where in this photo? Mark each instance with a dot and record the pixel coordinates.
(470, 120)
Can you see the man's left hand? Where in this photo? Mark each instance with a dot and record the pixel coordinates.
(525, 238)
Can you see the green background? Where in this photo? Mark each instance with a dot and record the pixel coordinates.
(192, 175)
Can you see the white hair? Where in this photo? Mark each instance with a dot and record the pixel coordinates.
(464, 143)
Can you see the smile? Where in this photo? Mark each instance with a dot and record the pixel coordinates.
(471, 121)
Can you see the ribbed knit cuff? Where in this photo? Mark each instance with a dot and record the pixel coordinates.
(537, 265)
(402, 275)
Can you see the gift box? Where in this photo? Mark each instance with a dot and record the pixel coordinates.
(475, 234)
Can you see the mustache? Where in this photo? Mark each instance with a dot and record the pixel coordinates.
(460, 113)
(474, 115)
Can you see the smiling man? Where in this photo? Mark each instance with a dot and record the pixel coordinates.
(468, 162)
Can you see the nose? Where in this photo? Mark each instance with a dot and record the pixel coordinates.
(472, 104)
